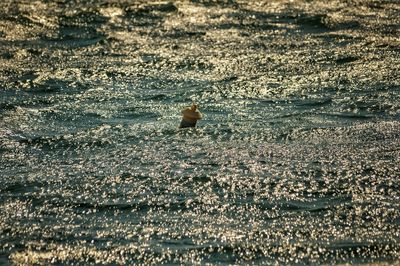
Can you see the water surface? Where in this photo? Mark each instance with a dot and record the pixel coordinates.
(296, 161)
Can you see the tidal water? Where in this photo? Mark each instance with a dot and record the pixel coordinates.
(296, 161)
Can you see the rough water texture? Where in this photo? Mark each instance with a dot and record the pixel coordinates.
(295, 162)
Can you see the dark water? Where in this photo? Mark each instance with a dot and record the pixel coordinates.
(296, 161)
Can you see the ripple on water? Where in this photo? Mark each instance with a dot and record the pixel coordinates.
(295, 161)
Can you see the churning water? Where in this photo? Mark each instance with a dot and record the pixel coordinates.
(295, 162)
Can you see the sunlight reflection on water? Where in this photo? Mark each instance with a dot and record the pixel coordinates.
(295, 162)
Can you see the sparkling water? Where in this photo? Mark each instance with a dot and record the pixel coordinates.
(295, 162)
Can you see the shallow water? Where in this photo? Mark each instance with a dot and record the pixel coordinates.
(295, 162)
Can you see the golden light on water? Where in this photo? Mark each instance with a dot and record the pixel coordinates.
(295, 161)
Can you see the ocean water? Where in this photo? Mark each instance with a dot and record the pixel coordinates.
(296, 161)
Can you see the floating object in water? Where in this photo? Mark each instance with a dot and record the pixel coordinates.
(190, 116)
